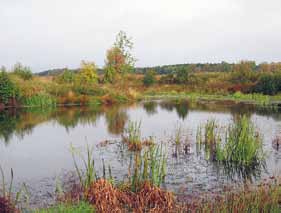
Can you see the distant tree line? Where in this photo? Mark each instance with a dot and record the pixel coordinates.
(192, 67)
(211, 67)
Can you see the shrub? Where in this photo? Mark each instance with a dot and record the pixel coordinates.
(182, 75)
(167, 79)
(66, 77)
(149, 78)
(88, 73)
(22, 71)
(269, 84)
(8, 89)
(243, 72)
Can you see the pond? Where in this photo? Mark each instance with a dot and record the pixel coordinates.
(36, 143)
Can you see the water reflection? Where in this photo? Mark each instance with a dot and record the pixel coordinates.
(150, 107)
(116, 120)
(30, 135)
(22, 122)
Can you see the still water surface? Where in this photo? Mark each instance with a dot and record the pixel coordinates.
(35, 143)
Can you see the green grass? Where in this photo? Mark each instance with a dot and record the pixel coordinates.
(255, 98)
(243, 145)
(133, 131)
(207, 137)
(149, 166)
(89, 175)
(39, 100)
(132, 136)
(82, 207)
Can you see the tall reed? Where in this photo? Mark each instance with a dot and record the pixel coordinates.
(149, 167)
(208, 136)
(39, 100)
(89, 166)
(243, 144)
(132, 136)
(7, 193)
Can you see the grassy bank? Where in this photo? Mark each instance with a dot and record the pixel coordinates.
(236, 97)
(52, 91)
(50, 94)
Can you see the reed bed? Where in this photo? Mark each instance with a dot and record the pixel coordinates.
(180, 140)
(208, 137)
(243, 145)
(148, 167)
(265, 197)
(132, 136)
(141, 193)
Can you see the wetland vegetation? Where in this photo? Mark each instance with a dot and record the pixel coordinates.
(181, 138)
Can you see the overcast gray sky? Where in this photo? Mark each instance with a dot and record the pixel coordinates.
(48, 34)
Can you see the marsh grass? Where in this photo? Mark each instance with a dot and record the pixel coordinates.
(150, 141)
(140, 194)
(132, 136)
(149, 167)
(243, 144)
(81, 207)
(180, 140)
(90, 174)
(207, 137)
(39, 100)
(265, 197)
(8, 203)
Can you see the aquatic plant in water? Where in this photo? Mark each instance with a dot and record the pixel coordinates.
(8, 203)
(243, 144)
(89, 166)
(208, 136)
(180, 140)
(132, 136)
(149, 167)
(263, 198)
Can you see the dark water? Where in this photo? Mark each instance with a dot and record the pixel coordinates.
(35, 143)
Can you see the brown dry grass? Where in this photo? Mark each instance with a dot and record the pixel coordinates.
(107, 198)
(132, 146)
